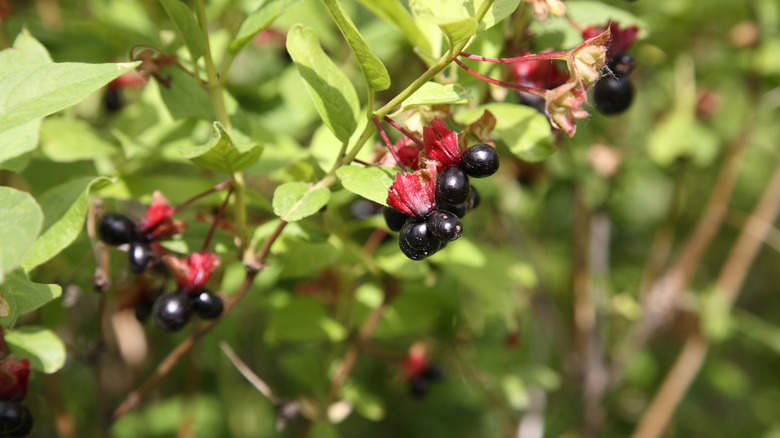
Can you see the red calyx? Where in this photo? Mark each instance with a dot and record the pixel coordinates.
(129, 79)
(413, 193)
(538, 74)
(621, 39)
(441, 144)
(158, 223)
(416, 361)
(193, 272)
(14, 377)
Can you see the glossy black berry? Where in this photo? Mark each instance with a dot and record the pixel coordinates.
(14, 418)
(445, 225)
(460, 210)
(433, 374)
(112, 100)
(416, 242)
(479, 161)
(452, 186)
(622, 65)
(474, 199)
(207, 305)
(395, 219)
(139, 256)
(419, 386)
(27, 424)
(613, 95)
(143, 310)
(116, 229)
(172, 311)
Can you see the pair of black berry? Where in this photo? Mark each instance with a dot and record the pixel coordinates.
(15, 419)
(420, 383)
(613, 93)
(172, 312)
(117, 229)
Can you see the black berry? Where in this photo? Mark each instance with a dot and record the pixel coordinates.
(474, 199)
(419, 386)
(445, 225)
(139, 256)
(479, 161)
(395, 219)
(116, 229)
(207, 305)
(460, 210)
(622, 65)
(613, 95)
(14, 418)
(143, 310)
(416, 242)
(433, 374)
(172, 311)
(452, 186)
(112, 100)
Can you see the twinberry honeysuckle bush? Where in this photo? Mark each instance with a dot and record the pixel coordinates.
(219, 173)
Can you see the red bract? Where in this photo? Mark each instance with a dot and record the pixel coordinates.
(129, 79)
(538, 74)
(158, 223)
(416, 360)
(563, 107)
(413, 193)
(621, 39)
(408, 153)
(193, 272)
(14, 377)
(441, 144)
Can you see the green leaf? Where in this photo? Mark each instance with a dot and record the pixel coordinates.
(16, 142)
(185, 98)
(27, 52)
(44, 349)
(679, 136)
(303, 319)
(374, 71)
(39, 90)
(758, 329)
(222, 153)
(715, 313)
(66, 140)
(330, 89)
(396, 14)
(522, 129)
(588, 13)
(371, 182)
(23, 296)
(294, 201)
(186, 25)
(258, 21)
(64, 210)
(459, 30)
(432, 93)
(499, 11)
(22, 219)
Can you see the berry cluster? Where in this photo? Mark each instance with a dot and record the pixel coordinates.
(613, 93)
(171, 312)
(426, 206)
(15, 418)
(419, 372)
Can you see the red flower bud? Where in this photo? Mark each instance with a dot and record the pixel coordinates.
(158, 223)
(620, 41)
(14, 377)
(193, 272)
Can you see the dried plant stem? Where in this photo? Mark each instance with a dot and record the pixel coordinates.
(729, 282)
(247, 372)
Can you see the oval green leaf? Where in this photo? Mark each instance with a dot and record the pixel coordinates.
(41, 346)
(371, 183)
(22, 219)
(258, 21)
(333, 94)
(224, 153)
(374, 71)
(432, 93)
(23, 296)
(294, 201)
(64, 210)
(186, 26)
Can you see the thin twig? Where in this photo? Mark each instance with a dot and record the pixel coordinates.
(388, 144)
(247, 372)
(216, 188)
(403, 130)
(729, 282)
(216, 220)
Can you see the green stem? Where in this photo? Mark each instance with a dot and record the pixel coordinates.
(220, 111)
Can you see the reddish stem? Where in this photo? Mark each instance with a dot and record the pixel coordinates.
(367, 164)
(389, 145)
(217, 219)
(532, 90)
(408, 134)
(546, 56)
(216, 188)
(2, 342)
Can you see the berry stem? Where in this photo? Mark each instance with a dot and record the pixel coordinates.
(389, 145)
(216, 220)
(546, 56)
(532, 90)
(408, 134)
(216, 188)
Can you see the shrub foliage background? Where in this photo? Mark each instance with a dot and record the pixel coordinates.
(592, 262)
